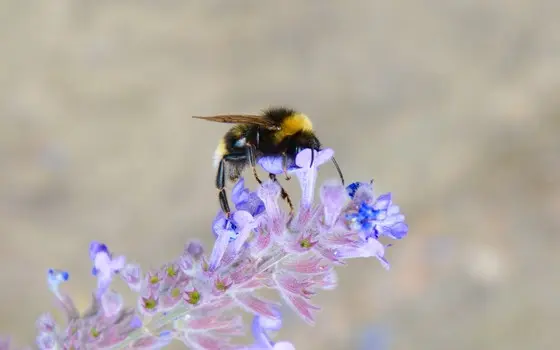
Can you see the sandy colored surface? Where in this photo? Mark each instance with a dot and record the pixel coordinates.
(451, 105)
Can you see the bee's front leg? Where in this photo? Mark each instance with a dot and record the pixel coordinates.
(251, 150)
(283, 193)
(285, 166)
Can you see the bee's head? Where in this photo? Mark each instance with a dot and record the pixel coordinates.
(307, 139)
(303, 140)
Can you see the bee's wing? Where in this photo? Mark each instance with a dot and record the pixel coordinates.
(242, 119)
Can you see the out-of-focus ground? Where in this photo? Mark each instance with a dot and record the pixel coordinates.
(451, 105)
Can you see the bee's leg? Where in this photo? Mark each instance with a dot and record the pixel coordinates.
(253, 161)
(285, 166)
(283, 193)
(220, 185)
(229, 162)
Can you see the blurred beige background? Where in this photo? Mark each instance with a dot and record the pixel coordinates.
(451, 105)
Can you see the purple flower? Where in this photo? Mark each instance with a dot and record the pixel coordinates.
(104, 266)
(243, 199)
(237, 229)
(261, 246)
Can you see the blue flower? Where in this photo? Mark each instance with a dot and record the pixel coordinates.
(244, 201)
(374, 216)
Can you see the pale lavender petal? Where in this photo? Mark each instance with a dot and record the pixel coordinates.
(46, 341)
(261, 326)
(272, 164)
(270, 324)
(220, 247)
(245, 224)
(111, 303)
(118, 263)
(132, 275)
(307, 174)
(254, 205)
(393, 210)
(261, 337)
(334, 197)
(370, 247)
(103, 265)
(269, 192)
(219, 224)
(239, 193)
(397, 231)
(383, 202)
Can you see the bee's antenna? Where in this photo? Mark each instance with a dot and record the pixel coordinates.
(338, 169)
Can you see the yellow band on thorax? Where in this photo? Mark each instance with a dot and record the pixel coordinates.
(293, 124)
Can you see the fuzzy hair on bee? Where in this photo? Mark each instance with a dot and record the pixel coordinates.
(278, 131)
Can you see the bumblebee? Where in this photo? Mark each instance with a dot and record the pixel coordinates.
(278, 131)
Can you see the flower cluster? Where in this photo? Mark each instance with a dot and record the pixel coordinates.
(194, 298)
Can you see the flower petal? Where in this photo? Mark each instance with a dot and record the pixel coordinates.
(334, 197)
(274, 164)
(245, 224)
(309, 160)
(132, 275)
(220, 246)
(383, 202)
(47, 341)
(111, 303)
(239, 193)
(269, 192)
